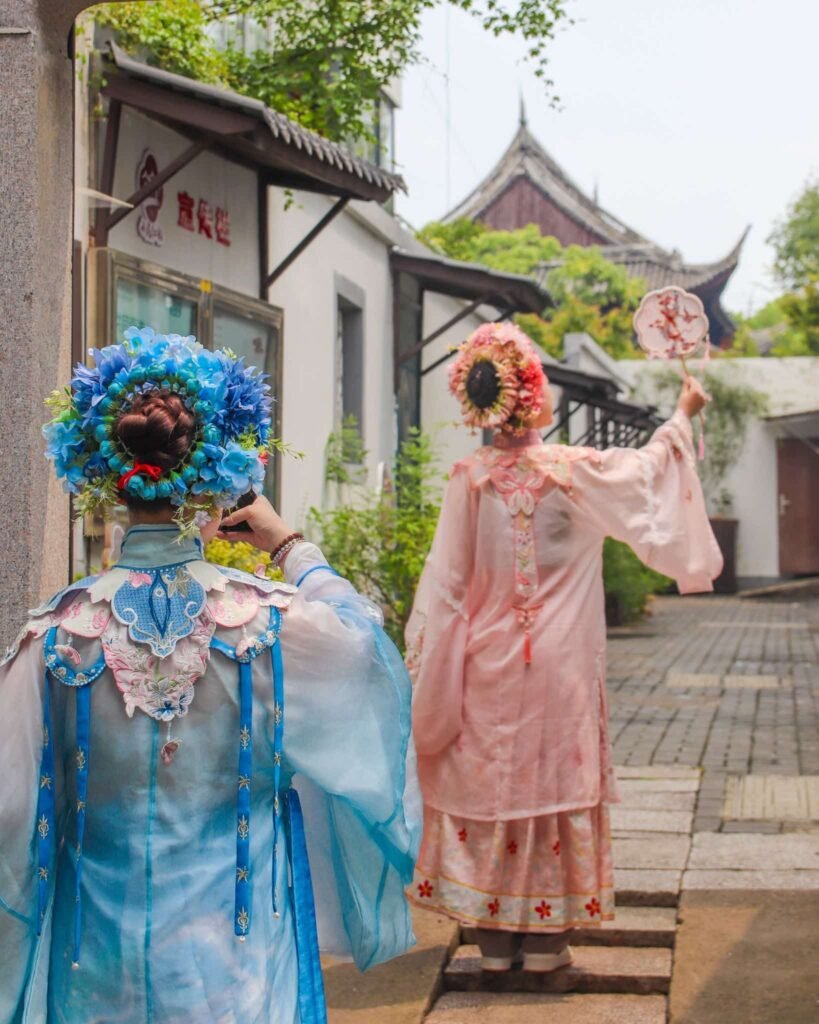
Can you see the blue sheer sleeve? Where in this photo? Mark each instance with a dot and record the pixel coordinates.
(347, 739)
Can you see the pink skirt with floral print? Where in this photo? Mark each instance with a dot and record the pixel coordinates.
(544, 874)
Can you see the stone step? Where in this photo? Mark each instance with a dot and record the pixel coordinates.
(596, 969)
(637, 887)
(519, 1008)
(633, 926)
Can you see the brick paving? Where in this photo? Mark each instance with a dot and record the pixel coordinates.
(726, 684)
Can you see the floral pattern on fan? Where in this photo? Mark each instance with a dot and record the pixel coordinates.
(670, 323)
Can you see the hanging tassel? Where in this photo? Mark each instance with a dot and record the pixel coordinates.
(169, 747)
(243, 645)
(527, 648)
(69, 653)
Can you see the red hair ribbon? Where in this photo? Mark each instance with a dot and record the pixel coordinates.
(154, 472)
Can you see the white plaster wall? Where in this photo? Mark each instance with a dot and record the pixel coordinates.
(792, 386)
(219, 181)
(307, 293)
(355, 245)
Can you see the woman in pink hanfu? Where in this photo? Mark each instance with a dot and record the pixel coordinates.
(507, 650)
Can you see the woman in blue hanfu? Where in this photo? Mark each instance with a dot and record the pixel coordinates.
(182, 746)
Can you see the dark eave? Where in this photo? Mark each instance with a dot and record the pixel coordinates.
(245, 130)
(470, 281)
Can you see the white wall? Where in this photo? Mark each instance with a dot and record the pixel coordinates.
(209, 177)
(356, 246)
(792, 386)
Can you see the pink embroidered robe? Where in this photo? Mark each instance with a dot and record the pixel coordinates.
(507, 638)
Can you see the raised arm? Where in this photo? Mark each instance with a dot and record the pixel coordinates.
(651, 499)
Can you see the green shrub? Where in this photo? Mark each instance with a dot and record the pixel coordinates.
(628, 583)
(379, 539)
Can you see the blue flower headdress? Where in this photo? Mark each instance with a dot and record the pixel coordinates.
(230, 402)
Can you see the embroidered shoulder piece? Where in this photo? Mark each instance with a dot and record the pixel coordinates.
(155, 626)
(520, 475)
(56, 609)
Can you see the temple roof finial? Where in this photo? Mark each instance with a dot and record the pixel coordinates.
(522, 111)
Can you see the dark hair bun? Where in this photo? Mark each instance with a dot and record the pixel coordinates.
(157, 428)
(483, 384)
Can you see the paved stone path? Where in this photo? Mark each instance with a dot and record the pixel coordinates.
(728, 684)
(715, 722)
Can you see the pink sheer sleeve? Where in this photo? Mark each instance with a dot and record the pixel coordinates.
(437, 629)
(652, 499)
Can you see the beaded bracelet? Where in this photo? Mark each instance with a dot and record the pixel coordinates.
(285, 547)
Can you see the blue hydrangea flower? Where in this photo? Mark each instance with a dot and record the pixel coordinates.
(229, 399)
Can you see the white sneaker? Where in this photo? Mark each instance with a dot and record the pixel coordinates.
(543, 963)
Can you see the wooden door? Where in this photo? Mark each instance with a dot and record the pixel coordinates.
(798, 475)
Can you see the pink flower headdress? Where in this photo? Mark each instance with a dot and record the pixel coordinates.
(520, 375)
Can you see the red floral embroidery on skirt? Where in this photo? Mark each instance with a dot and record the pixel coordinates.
(425, 889)
(494, 907)
(544, 909)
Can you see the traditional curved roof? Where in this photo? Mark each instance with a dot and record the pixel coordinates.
(528, 181)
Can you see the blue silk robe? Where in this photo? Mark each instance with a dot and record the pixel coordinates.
(169, 733)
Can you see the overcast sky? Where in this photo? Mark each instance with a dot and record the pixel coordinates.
(693, 118)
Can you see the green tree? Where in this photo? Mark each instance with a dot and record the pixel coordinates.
(590, 293)
(795, 240)
(329, 59)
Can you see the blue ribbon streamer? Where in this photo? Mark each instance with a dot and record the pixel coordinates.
(45, 810)
(312, 1005)
(278, 734)
(243, 907)
(83, 709)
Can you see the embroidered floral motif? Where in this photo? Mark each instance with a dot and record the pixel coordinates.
(512, 848)
(243, 920)
(243, 828)
(236, 607)
(424, 889)
(520, 475)
(462, 835)
(242, 874)
(161, 687)
(543, 910)
(494, 907)
(556, 847)
(162, 612)
(45, 782)
(593, 907)
(43, 827)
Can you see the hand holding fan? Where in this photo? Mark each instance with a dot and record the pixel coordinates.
(671, 324)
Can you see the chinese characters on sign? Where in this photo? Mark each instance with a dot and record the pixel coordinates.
(196, 216)
(202, 219)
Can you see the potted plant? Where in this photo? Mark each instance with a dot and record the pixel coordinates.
(733, 405)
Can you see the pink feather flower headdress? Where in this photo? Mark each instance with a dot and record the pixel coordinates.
(521, 379)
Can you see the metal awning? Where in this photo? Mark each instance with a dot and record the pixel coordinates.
(607, 419)
(246, 131)
(240, 129)
(516, 292)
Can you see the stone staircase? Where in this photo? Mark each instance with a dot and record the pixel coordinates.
(622, 971)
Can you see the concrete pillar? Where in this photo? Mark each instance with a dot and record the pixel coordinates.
(36, 197)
